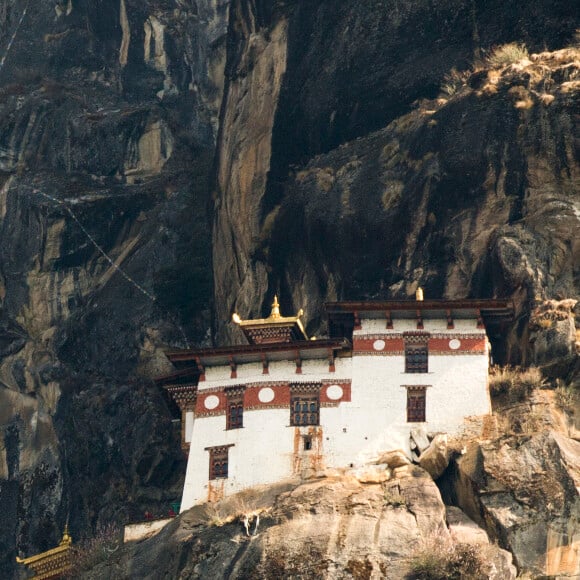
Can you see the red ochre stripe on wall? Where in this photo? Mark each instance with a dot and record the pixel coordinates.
(200, 408)
(281, 397)
(467, 345)
(345, 385)
(366, 344)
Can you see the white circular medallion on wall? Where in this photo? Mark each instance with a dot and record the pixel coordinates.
(266, 395)
(334, 392)
(454, 343)
(379, 344)
(211, 402)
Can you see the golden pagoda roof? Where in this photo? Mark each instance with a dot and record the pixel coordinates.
(53, 563)
(256, 330)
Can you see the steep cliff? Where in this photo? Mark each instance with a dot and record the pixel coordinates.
(443, 193)
(351, 525)
(359, 149)
(108, 120)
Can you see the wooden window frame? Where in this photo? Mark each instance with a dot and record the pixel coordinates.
(305, 394)
(417, 353)
(234, 407)
(218, 461)
(416, 404)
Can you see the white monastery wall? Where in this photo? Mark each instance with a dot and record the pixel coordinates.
(188, 426)
(312, 370)
(378, 326)
(262, 453)
(268, 449)
(142, 530)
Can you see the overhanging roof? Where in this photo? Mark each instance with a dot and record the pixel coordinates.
(247, 353)
(492, 311)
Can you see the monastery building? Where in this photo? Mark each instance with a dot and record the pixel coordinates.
(288, 406)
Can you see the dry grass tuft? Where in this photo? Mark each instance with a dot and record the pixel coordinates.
(514, 383)
(507, 54)
(92, 551)
(441, 560)
(565, 397)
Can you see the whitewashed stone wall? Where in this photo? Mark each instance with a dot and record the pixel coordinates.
(267, 449)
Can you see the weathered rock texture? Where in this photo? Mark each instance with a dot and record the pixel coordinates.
(523, 488)
(473, 195)
(108, 120)
(333, 172)
(334, 527)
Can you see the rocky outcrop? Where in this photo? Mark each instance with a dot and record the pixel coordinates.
(435, 459)
(337, 527)
(338, 173)
(470, 195)
(108, 120)
(553, 331)
(523, 489)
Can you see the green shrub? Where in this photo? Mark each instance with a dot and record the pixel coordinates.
(507, 54)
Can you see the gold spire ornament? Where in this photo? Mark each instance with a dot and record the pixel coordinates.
(275, 313)
(275, 328)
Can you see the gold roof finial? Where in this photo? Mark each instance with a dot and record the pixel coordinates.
(275, 308)
(419, 294)
(275, 328)
(66, 539)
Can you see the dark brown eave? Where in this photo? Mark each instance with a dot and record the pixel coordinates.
(491, 310)
(306, 349)
(184, 376)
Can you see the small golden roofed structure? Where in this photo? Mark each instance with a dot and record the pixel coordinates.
(52, 564)
(274, 329)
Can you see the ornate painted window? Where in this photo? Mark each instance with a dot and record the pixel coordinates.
(416, 403)
(218, 461)
(235, 407)
(305, 404)
(416, 353)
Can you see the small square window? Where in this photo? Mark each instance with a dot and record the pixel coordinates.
(307, 439)
(305, 410)
(218, 462)
(235, 419)
(416, 403)
(235, 407)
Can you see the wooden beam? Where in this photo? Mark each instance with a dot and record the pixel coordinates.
(331, 366)
(201, 369)
(419, 320)
(450, 324)
(234, 367)
(298, 363)
(389, 319)
(265, 365)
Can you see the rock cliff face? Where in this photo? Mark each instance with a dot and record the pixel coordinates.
(523, 487)
(109, 115)
(344, 150)
(336, 527)
(451, 195)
